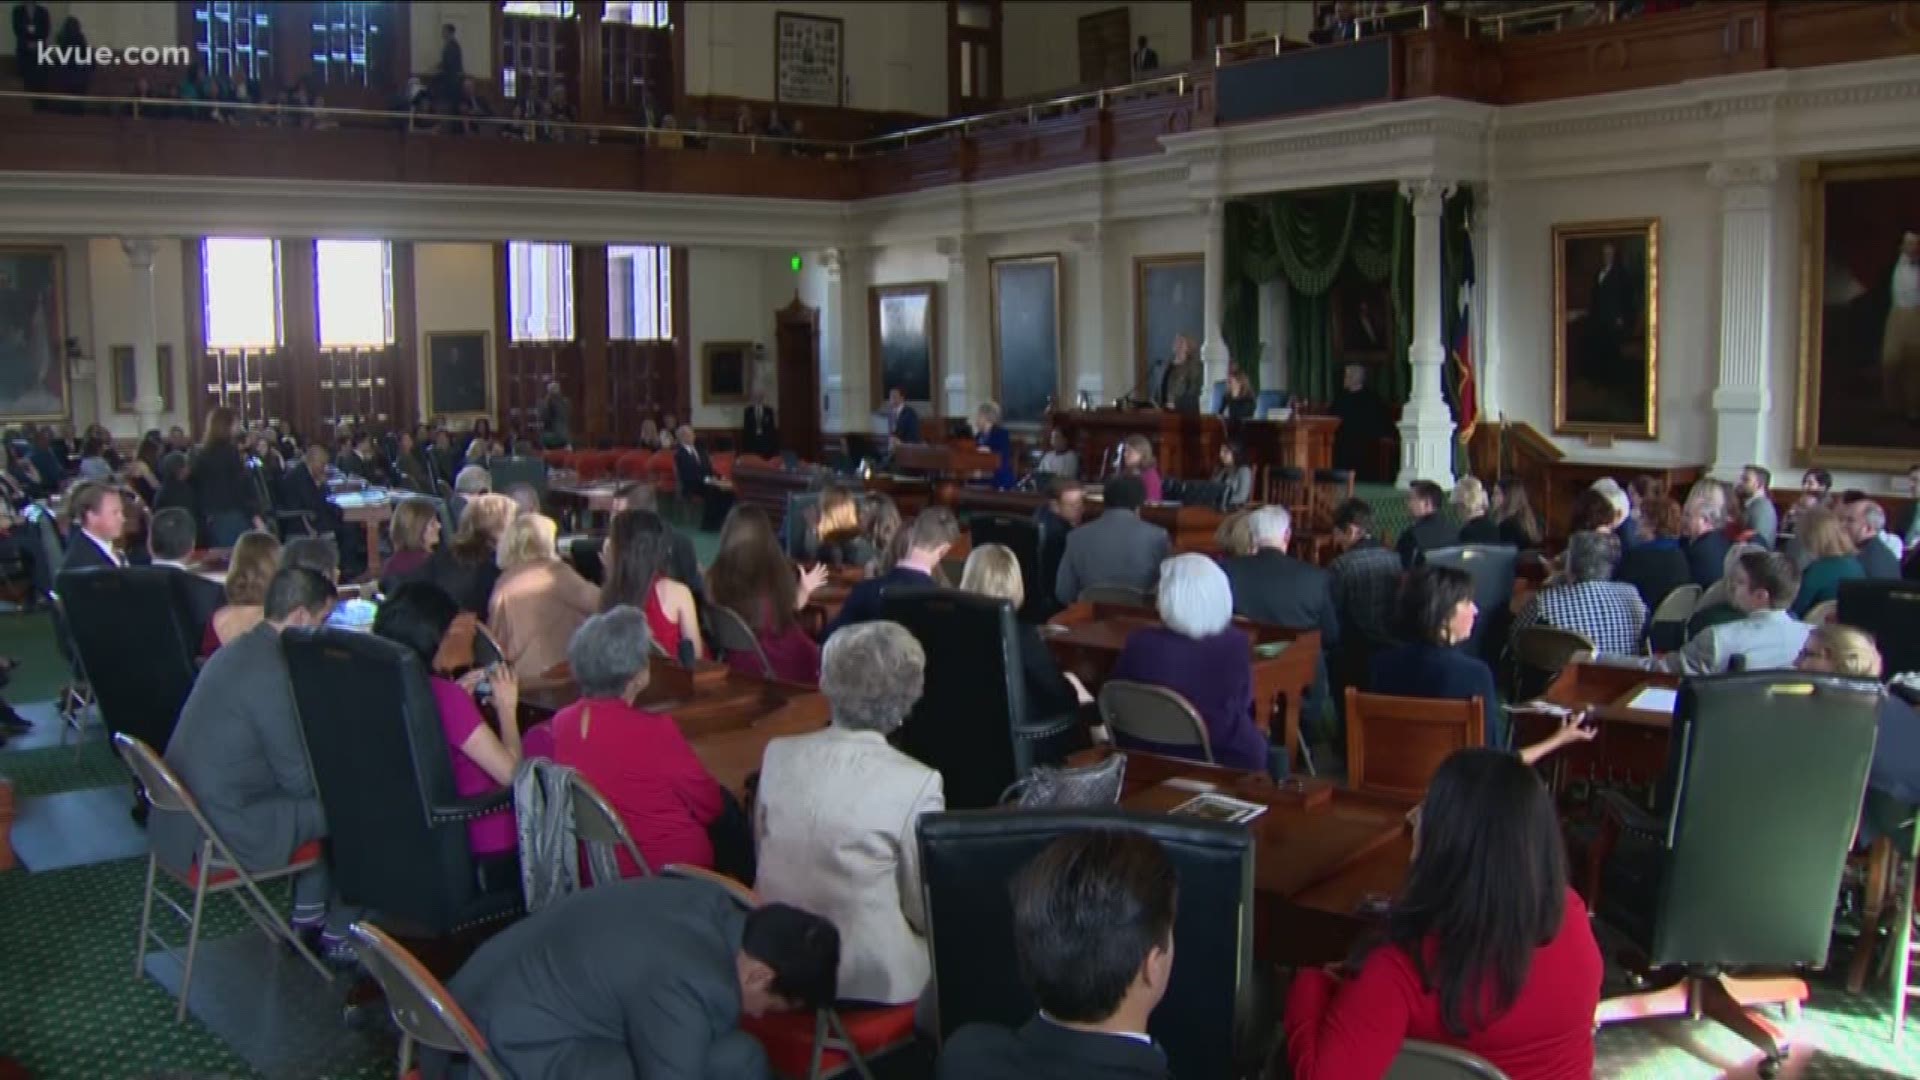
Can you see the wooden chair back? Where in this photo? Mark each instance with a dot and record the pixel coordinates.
(1396, 744)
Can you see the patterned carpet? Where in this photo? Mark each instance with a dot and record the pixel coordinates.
(70, 1006)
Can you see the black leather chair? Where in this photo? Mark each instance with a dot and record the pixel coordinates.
(397, 827)
(130, 629)
(1021, 536)
(1492, 567)
(971, 723)
(1740, 869)
(967, 859)
(1890, 611)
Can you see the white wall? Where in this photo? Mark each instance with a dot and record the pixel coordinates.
(895, 54)
(453, 291)
(732, 295)
(1041, 39)
(1291, 19)
(102, 315)
(1520, 268)
(473, 24)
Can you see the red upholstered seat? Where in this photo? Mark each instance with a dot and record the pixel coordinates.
(305, 855)
(660, 470)
(751, 459)
(596, 464)
(557, 459)
(632, 464)
(788, 1037)
(722, 463)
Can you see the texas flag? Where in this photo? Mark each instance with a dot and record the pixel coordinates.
(1466, 406)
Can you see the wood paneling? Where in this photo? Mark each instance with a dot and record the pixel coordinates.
(834, 124)
(1658, 50)
(1804, 35)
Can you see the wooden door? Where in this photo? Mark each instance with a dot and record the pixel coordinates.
(1217, 23)
(973, 56)
(797, 362)
(1106, 48)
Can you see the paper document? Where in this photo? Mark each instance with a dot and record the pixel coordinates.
(1655, 699)
(1216, 807)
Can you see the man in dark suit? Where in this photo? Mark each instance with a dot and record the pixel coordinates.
(1608, 323)
(1430, 528)
(760, 434)
(1272, 587)
(647, 977)
(98, 518)
(1116, 548)
(170, 539)
(1866, 521)
(1065, 508)
(1704, 524)
(357, 459)
(904, 427)
(690, 465)
(1093, 927)
(929, 537)
(304, 490)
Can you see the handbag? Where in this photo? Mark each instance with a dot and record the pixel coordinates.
(1087, 785)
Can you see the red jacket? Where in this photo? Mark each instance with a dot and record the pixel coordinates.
(1351, 1030)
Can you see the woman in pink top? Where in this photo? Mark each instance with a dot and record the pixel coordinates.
(417, 616)
(1486, 948)
(637, 759)
(1136, 459)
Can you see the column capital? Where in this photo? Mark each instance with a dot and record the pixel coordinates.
(1730, 174)
(1088, 235)
(834, 261)
(1213, 208)
(1427, 194)
(953, 247)
(139, 251)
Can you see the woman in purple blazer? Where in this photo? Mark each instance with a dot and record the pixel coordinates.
(1200, 656)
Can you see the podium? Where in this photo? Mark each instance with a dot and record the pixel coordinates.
(1187, 445)
(951, 460)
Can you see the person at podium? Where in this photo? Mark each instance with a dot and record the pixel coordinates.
(903, 424)
(1176, 381)
(990, 436)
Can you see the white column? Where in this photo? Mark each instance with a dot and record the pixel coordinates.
(147, 399)
(1740, 396)
(1487, 353)
(1213, 350)
(961, 348)
(1273, 335)
(1088, 321)
(840, 376)
(1426, 427)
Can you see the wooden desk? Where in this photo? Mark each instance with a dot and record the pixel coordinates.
(1190, 527)
(1314, 867)
(955, 459)
(1187, 445)
(1093, 635)
(371, 509)
(572, 501)
(1631, 747)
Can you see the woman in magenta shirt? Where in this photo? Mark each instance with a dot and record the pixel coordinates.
(417, 616)
(1136, 459)
(637, 759)
(1486, 948)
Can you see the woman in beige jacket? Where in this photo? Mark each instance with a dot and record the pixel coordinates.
(539, 601)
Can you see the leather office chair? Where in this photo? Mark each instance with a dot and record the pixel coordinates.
(1699, 887)
(383, 769)
(1492, 567)
(972, 723)
(1020, 535)
(132, 637)
(967, 859)
(507, 472)
(422, 1007)
(1396, 744)
(1890, 611)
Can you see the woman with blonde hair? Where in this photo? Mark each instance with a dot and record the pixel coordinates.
(1136, 459)
(1235, 534)
(467, 566)
(993, 570)
(414, 531)
(255, 559)
(1848, 650)
(1513, 513)
(539, 601)
(1835, 559)
(839, 539)
(1470, 507)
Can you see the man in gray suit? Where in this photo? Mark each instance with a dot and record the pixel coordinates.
(1762, 518)
(239, 750)
(645, 978)
(1116, 548)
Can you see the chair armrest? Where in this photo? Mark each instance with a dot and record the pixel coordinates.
(468, 809)
(1630, 816)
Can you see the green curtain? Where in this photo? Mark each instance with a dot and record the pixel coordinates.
(1308, 240)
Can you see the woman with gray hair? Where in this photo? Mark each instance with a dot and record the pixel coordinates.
(1199, 655)
(637, 759)
(989, 435)
(837, 809)
(1585, 599)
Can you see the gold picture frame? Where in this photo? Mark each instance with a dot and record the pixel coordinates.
(1854, 253)
(1013, 298)
(125, 399)
(726, 372)
(450, 366)
(1153, 277)
(897, 315)
(33, 282)
(1606, 329)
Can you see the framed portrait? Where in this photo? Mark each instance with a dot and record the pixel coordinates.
(903, 342)
(1859, 401)
(807, 59)
(33, 334)
(459, 374)
(1169, 299)
(724, 370)
(1606, 328)
(126, 398)
(1026, 336)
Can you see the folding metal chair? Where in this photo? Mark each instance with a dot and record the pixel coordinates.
(595, 821)
(422, 1007)
(829, 1030)
(215, 870)
(732, 634)
(1154, 714)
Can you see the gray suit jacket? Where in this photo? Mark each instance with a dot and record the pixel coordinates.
(238, 748)
(1116, 548)
(633, 979)
(1764, 520)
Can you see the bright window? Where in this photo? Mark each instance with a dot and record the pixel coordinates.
(242, 290)
(539, 291)
(640, 292)
(638, 14)
(353, 289)
(544, 10)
